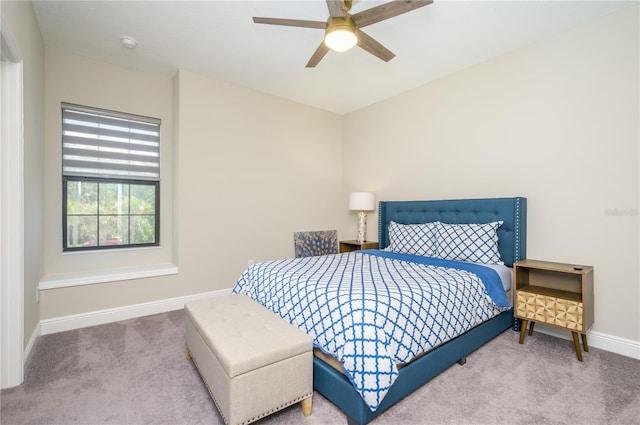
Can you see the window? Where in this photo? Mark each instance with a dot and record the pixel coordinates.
(111, 179)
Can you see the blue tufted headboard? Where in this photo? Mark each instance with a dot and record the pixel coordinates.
(512, 235)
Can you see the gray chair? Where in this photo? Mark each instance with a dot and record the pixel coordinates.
(320, 242)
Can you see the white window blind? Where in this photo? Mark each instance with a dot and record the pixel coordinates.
(99, 143)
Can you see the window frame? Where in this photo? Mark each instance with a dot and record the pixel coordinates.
(65, 215)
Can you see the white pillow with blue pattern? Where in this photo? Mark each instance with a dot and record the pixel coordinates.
(477, 243)
(416, 239)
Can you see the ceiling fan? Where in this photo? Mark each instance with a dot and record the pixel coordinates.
(343, 30)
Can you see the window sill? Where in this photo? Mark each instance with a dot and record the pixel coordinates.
(80, 279)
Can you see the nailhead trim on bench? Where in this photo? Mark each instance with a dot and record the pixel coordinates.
(255, 418)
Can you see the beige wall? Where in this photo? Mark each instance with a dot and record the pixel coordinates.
(241, 171)
(556, 122)
(254, 168)
(76, 79)
(21, 22)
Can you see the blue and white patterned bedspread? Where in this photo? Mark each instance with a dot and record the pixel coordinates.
(374, 309)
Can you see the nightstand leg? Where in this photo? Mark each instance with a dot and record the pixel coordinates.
(576, 344)
(523, 329)
(584, 342)
(531, 328)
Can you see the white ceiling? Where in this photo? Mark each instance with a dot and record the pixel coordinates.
(219, 39)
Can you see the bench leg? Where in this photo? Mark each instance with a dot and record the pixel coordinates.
(188, 354)
(307, 403)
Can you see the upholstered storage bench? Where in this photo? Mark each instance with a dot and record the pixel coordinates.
(253, 362)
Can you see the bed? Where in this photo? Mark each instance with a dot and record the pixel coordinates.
(360, 392)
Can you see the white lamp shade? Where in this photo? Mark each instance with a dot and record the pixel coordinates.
(340, 40)
(361, 201)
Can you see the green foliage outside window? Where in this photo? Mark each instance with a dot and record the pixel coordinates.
(107, 213)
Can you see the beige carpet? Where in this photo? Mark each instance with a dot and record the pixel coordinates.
(135, 372)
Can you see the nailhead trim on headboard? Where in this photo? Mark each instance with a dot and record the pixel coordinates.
(380, 221)
(516, 256)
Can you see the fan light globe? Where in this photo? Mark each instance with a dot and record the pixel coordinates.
(340, 39)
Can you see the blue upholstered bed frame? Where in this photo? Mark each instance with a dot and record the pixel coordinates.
(512, 242)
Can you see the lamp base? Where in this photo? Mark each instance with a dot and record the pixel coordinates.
(361, 235)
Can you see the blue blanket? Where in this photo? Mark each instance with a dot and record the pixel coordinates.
(489, 276)
(373, 310)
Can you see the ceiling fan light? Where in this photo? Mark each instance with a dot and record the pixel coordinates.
(341, 34)
(340, 40)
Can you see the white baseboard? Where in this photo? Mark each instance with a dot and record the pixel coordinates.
(30, 344)
(614, 344)
(100, 317)
(625, 347)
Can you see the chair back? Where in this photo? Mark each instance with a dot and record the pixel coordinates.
(320, 242)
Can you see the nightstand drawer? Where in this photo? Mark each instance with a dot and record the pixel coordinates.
(548, 309)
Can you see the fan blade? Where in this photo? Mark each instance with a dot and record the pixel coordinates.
(291, 22)
(336, 8)
(372, 46)
(318, 55)
(386, 11)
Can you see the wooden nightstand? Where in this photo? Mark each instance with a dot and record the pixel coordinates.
(555, 294)
(348, 246)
